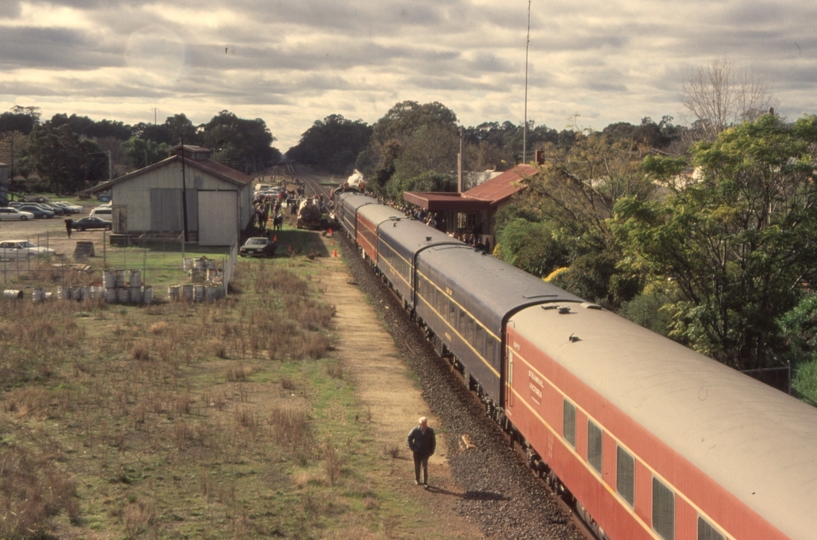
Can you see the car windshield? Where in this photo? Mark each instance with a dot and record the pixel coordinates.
(27, 245)
(256, 241)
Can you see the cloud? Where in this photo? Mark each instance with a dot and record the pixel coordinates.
(292, 62)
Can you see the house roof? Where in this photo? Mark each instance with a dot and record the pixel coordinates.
(485, 196)
(222, 172)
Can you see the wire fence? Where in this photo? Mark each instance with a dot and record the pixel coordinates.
(150, 269)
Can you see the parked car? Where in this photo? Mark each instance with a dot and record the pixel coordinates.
(58, 210)
(103, 211)
(21, 249)
(69, 208)
(9, 213)
(91, 222)
(38, 211)
(258, 246)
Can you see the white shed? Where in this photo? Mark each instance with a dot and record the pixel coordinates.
(149, 201)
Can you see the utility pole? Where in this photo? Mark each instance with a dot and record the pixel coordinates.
(184, 195)
(525, 127)
(459, 162)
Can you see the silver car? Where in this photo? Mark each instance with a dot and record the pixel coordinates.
(8, 213)
(21, 249)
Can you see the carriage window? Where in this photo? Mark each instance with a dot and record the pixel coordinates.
(452, 313)
(663, 510)
(461, 326)
(594, 439)
(469, 330)
(569, 428)
(480, 341)
(625, 475)
(707, 531)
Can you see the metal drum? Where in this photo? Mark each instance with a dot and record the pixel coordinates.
(135, 278)
(173, 292)
(10, 293)
(199, 293)
(38, 295)
(121, 278)
(147, 295)
(187, 293)
(110, 296)
(123, 295)
(109, 279)
(136, 295)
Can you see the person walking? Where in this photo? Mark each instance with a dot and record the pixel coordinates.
(69, 225)
(422, 442)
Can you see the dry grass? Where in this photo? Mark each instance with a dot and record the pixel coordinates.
(178, 420)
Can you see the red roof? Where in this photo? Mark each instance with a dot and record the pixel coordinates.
(485, 196)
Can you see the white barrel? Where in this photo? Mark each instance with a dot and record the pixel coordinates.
(123, 295)
(173, 292)
(135, 278)
(38, 294)
(109, 279)
(136, 295)
(147, 295)
(121, 278)
(11, 293)
(48, 295)
(187, 264)
(110, 296)
(187, 293)
(62, 293)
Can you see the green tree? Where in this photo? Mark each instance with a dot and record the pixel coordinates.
(395, 132)
(243, 144)
(426, 181)
(531, 246)
(332, 144)
(63, 160)
(574, 193)
(739, 243)
(143, 152)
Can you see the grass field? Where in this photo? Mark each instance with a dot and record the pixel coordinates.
(176, 420)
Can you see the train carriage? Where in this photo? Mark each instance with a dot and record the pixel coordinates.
(369, 218)
(399, 244)
(465, 297)
(346, 207)
(654, 439)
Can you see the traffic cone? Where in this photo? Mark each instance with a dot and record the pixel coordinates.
(275, 238)
(335, 253)
(330, 231)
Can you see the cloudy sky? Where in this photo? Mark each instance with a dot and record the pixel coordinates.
(292, 62)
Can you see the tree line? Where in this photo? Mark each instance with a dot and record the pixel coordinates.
(70, 153)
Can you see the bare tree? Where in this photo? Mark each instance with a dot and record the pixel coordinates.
(721, 95)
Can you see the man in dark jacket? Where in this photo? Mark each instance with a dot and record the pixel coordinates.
(422, 442)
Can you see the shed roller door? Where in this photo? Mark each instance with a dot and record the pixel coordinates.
(218, 218)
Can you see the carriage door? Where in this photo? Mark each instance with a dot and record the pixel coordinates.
(509, 385)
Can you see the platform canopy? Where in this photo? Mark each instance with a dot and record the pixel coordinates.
(486, 196)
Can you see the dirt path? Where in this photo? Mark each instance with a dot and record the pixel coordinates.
(386, 388)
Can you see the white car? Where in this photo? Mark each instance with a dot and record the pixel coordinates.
(21, 249)
(12, 214)
(105, 212)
